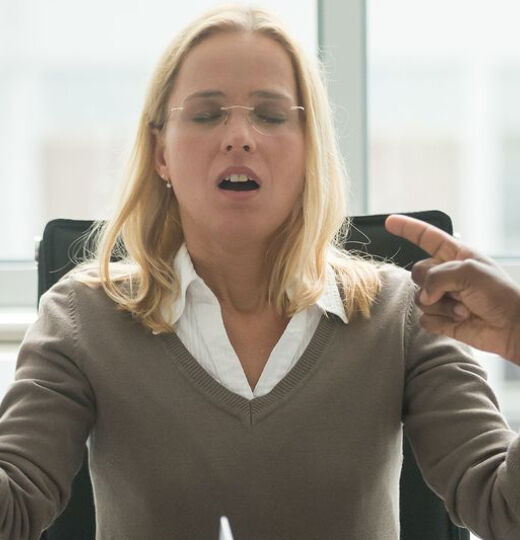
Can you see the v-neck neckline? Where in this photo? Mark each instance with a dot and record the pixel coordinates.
(252, 411)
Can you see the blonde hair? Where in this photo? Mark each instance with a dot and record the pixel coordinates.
(146, 233)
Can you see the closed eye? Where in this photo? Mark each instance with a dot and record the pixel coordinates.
(270, 119)
(207, 117)
(270, 114)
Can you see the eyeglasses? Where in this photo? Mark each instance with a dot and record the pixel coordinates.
(268, 117)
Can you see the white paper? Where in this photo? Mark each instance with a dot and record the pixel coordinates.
(225, 529)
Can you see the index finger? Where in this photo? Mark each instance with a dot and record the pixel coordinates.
(439, 244)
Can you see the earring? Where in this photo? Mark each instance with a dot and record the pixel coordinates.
(168, 184)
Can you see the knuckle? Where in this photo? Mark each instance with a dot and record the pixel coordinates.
(470, 271)
(470, 266)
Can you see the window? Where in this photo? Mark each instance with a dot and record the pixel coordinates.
(444, 125)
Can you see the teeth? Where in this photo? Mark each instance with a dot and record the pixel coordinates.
(237, 178)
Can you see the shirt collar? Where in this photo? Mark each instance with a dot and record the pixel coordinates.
(330, 301)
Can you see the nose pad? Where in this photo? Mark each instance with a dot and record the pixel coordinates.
(242, 111)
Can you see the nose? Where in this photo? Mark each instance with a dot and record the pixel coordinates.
(237, 132)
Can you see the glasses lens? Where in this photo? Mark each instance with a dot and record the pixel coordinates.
(273, 117)
(202, 112)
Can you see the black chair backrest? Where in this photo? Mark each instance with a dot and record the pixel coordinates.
(422, 514)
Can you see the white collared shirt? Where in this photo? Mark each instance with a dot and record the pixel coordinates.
(198, 322)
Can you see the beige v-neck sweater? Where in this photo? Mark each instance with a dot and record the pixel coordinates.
(318, 457)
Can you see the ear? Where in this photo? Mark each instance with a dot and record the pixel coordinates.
(159, 153)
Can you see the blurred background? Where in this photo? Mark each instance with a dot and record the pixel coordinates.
(435, 123)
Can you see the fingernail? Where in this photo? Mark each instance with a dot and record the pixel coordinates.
(461, 311)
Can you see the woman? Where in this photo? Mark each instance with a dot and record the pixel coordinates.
(237, 362)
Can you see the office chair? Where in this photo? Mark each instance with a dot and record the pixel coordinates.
(422, 514)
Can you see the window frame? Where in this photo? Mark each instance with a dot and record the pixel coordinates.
(342, 47)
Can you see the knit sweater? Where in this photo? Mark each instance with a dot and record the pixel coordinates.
(318, 457)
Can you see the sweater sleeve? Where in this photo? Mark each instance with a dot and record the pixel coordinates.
(464, 447)
(45, 419)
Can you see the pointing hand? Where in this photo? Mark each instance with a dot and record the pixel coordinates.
(463, 294)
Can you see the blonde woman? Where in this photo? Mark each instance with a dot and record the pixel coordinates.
(237, 362)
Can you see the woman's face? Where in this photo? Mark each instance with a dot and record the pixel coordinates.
(194, 157)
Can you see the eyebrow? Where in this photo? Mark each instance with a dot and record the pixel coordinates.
(271, 94)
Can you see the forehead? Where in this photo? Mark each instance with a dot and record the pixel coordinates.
(236, 64)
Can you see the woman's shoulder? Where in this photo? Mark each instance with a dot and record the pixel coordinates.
(85, 286)
(392, 275)
(397, 288)
(69, 291)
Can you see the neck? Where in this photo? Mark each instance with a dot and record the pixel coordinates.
(237, 277)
